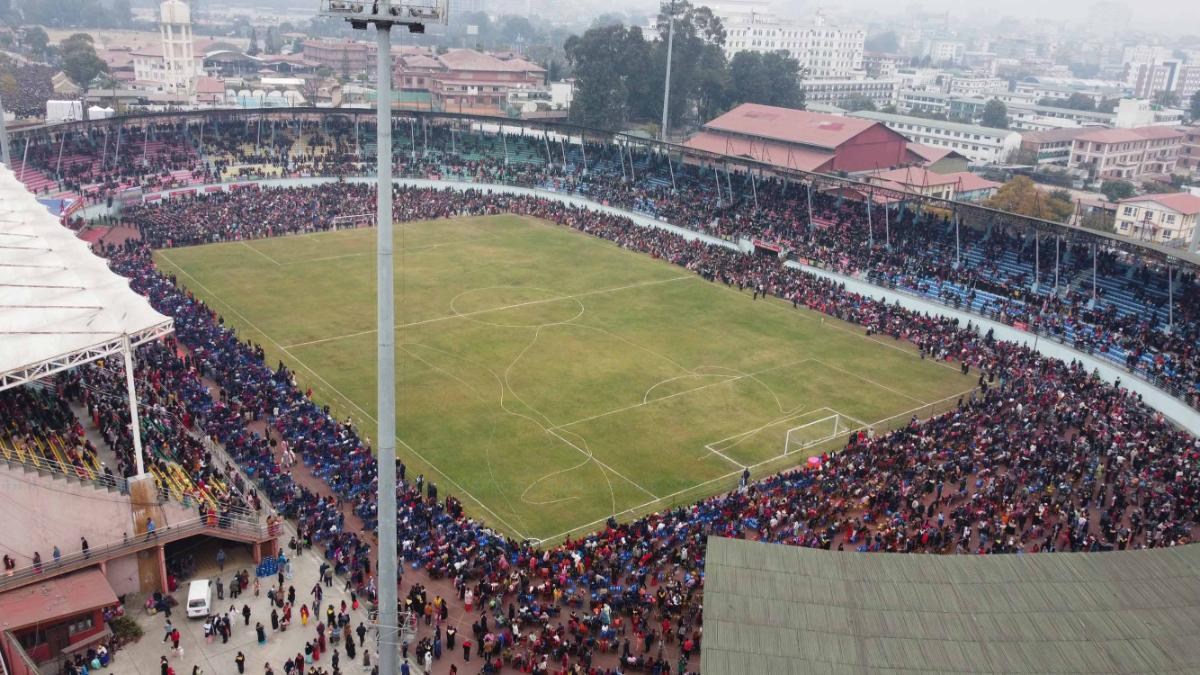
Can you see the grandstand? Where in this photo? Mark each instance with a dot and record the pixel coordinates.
(993, 473)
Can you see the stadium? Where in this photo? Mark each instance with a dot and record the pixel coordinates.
(615, 355)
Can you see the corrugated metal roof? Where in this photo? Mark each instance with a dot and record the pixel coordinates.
(781, 609)
(790, 126)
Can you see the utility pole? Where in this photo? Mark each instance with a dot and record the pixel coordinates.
(667, 84)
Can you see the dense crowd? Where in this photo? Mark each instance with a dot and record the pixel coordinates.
(25, 87)
(1046, 457)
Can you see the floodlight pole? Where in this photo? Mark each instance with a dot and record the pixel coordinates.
(386, 378)
(667, 84)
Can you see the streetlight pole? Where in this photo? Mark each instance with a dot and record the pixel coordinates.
(667, 84)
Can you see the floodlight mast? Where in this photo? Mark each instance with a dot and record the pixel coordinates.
(384, 14)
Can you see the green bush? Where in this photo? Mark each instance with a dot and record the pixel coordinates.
(126, 629)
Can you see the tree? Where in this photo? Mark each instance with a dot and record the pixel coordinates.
(80, 63)
(608, 63)
(1196, 106)
(272, 44)
(1116, 190)
(1108, 105)
(37, 40)
(769, 79)
(859, 102)
(1099, 219)
(121, 13)
(886, 42)
(1073, 102)
(995, 114)
(1022, 196)
(252, 50)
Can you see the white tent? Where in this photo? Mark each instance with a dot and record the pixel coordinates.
(60, 305)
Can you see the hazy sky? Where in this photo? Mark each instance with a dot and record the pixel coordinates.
(1169, 16)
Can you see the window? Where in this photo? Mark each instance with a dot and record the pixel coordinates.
(1129, 211)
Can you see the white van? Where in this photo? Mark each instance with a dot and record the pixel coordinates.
(199, 599)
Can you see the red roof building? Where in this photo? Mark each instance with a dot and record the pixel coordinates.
(1162, 218)
(802, 140)
(1127, 153)
(961, 186)
(57, 615)
(469, 81)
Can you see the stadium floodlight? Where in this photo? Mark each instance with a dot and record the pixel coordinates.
(412, 13)
(384, 14)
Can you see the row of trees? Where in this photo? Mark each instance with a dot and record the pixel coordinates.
(619, 75)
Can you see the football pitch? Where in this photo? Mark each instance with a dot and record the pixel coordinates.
(550, 379)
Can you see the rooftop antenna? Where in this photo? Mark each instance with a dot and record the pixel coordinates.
(384, 14)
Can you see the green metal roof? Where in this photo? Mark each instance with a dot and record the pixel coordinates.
(781, 609)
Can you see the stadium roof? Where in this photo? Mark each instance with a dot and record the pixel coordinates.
(770, 608)
(789, 126)
(60, 305)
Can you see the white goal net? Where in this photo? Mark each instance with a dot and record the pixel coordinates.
(353, 221)
(813, 433)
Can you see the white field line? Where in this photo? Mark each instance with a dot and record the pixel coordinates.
(529, 303)
(870, 381)
(744, 434)
(592, 456)
(269, 258)
(727, 380)
(345, 398)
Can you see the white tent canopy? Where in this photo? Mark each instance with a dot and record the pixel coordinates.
(60, 305)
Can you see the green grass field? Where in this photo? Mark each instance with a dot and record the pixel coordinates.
(550, 379)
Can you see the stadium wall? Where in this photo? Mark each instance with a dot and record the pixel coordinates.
(44, 511)
(1173, 408)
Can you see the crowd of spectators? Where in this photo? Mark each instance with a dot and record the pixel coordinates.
(25, 87)
(1046, 457)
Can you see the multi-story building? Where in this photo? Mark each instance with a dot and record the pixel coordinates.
(840, 92)
(879, 66)
(1052, 146)
(1126, 153)
(941, 52)
(344, 57)
(922, 101)
(981, 145)
(1161, 218)
(1171, 75)
(824, 51)
(974, 85)
(1189, 152)
(467, 80)
(1060, 92)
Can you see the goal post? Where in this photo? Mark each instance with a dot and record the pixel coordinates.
(816, 432)
(354, 220)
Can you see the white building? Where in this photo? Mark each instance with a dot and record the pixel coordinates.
(1162, 218)
(824, 51)
(980, 145)
(179, 59)
(946, 51)
(841, 92)
(972, 85)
